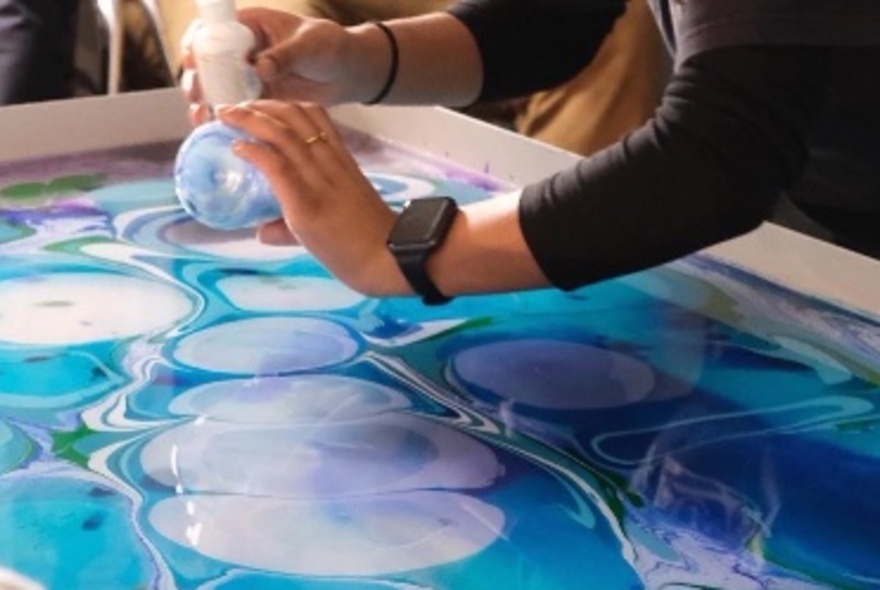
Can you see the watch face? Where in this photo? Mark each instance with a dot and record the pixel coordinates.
(423, 224)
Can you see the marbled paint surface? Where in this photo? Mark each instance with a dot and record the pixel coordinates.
(184, 408)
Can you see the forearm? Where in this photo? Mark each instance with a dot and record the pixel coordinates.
(730, 137)
(485, 251)
(439, 62)
(480, 50)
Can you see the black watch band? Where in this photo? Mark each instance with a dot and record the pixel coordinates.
(420, 228)
(412, 265)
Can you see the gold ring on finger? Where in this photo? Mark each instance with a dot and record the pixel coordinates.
(322, 136)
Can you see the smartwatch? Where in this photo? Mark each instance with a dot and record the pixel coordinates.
(419, 229)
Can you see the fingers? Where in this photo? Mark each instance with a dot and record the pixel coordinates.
(295, 58)
(276, 233)
(321, 195)
(267, 67)
(189, 84)
(288, 127)
(279, 152)
(308, 121)
(199, 113)
(301, 154)
(268, 31)
(277, 167)
(187, 58)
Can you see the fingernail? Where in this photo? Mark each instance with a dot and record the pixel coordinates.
(199, 113)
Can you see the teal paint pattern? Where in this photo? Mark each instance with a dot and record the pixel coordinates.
(183, 408)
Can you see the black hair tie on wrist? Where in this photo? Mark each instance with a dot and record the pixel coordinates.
(395, 59)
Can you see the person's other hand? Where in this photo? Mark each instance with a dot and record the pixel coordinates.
(304, 59)
(328, 205)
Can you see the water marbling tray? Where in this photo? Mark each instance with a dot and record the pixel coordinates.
(184, 408)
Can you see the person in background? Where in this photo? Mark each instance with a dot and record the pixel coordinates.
(36, 50)
(768, 101)
(616, 93)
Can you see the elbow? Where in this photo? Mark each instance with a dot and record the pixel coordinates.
(744, 215)
(729, 215)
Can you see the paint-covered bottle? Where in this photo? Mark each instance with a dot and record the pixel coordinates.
(218, 188)
(221, 46)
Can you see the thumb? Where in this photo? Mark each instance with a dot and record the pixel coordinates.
(268, 64)
(277, 59)
(276, 233)
(309, 51)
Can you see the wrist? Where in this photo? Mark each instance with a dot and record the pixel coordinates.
(418, 232)
(374, 272)
(371, 57)
(393, 64)
(381, 277)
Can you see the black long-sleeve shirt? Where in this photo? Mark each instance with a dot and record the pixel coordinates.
(752, 112)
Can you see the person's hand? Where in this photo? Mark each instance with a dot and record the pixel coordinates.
(328, 205)
(304, 59)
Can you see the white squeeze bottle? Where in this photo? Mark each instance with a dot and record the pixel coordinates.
(222, 46)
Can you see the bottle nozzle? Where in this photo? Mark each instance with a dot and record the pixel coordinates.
(216, 11)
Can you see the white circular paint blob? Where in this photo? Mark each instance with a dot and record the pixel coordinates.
(301, 399)
(267, 346)
(364, 536)
(236, 244)
(66, 308)
(384, 454)
(291, 293)
(554, 375)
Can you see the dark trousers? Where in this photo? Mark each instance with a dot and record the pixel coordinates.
(36, 49)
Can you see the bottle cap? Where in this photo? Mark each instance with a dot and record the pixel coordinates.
(216, 11)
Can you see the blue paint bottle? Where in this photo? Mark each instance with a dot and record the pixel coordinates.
(218, 188)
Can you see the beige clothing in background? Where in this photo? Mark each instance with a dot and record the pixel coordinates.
(615, 94)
